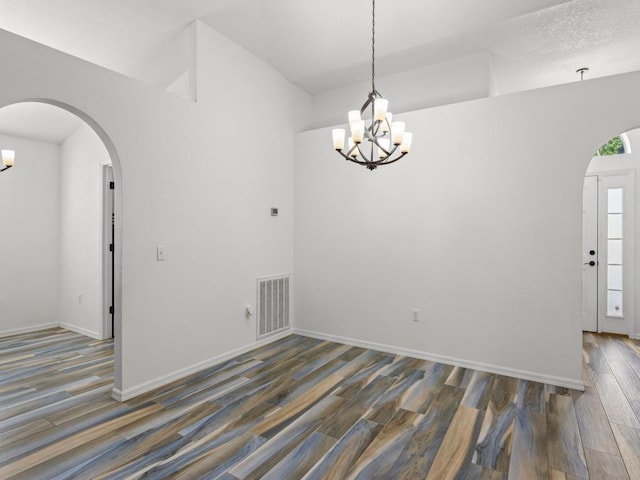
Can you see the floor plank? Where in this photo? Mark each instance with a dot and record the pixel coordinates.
(337, 462)
(305, 408)
(564, 445)
(418, 455)
(493, 449)
(529, 452)
(595, 429)
(603, 466)
(629, 442)
(378, 458)
(615, 403)
(458, 444)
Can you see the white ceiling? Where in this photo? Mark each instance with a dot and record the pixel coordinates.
(38, 121)
(325, 44)
(321, 45)
(143, 39)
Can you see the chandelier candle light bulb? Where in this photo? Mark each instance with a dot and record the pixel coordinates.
(357, 131)
(386, 125)
(338, 139)
(390, 138)
(8, 157)
(405, 147)
(380, 106)
(397, 132)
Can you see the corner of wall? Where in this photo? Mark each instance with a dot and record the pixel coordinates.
(122, 395)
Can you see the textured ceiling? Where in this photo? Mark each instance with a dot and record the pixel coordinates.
(545, 48)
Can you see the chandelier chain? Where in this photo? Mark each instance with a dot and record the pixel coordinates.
(373, 46)
(388, 141)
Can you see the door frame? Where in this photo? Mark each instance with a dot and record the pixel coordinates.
(627, 181)
(108, 274)
(590, 241)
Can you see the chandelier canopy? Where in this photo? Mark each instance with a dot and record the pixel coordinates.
(387, 141)
(8, 156)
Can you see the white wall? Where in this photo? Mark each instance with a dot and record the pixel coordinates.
(464, 78)
(29, 237)
(82, 156)
(479, 232)
(479, 228)
(198, 178)
(621, 163)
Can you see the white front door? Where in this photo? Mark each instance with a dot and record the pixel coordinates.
(608, 253)
(590, 254)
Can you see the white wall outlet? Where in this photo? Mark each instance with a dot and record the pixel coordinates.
(160, 254)
(248, 310)
(414, 315)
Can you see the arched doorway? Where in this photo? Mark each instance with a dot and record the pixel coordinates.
(609, 218)
(106, 298)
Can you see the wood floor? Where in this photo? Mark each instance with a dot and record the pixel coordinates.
(305, 408)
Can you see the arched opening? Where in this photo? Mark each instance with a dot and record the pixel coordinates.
(609, 218)
(609, 320)
(63, 239)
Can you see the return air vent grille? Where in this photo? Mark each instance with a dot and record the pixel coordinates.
(273, 305)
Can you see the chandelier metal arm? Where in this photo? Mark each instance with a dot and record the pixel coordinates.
(352, 159)
(371, 165)
(373, 94)
(374, 165)
(372, 131)
(374, 140)
(5, 168)
(387, 162)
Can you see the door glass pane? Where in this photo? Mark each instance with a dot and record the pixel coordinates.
(615, 225)
(614, 204)
(614, 303)
(614, 252)
(614, 277)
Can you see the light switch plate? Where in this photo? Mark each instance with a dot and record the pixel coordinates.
(160, 254)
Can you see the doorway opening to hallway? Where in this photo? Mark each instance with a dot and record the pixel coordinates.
(608, 250)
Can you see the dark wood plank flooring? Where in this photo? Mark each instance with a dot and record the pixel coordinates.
(305, 408)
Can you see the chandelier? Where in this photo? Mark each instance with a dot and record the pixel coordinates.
(387, 141)
(8, 157)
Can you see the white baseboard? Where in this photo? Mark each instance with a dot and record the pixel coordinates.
(635, 337)
(18, 331)
(132, 392)
(81, 331)
(484, 367)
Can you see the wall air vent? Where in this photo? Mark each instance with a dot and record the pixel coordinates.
(273, 305)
